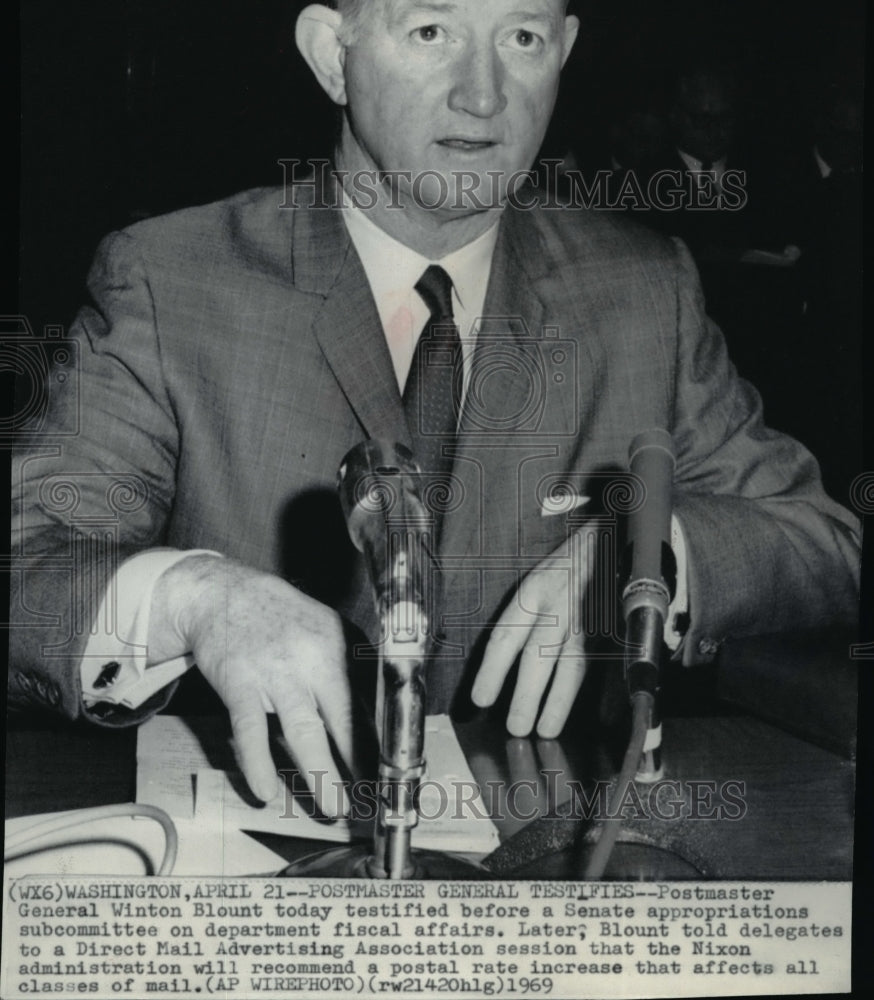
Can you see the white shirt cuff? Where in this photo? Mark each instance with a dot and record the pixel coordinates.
(115, 666)
(676, 622)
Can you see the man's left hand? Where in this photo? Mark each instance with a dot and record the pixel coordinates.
(542, 628)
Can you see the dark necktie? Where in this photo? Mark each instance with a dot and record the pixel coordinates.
(434, 384)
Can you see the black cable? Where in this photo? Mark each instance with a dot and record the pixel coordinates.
(641, 705)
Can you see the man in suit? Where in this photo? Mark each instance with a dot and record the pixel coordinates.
(816, 205)
(232, 354)
(707, 205)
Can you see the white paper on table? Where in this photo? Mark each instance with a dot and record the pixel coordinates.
(771, 258)
(186, 769)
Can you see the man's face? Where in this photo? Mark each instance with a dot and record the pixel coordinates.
(452, 86)
(704, 118)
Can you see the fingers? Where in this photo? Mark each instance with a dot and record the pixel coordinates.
(308, 741)
(304, 731)
(534, 673)
(335, 708)
(538, 666)
(264, 646)
(569, 673)
(505, 643)
(249, 726)
(546, 649)
(502, 649)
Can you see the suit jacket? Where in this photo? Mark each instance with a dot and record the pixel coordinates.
(231, 355)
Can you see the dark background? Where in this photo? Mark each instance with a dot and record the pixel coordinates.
(135, 107)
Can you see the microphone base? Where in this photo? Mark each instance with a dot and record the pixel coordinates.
(354, 861)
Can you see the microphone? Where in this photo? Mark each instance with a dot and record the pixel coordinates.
(387, 521)
(650, 583)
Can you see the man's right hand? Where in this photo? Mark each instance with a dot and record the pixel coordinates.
(265, 647)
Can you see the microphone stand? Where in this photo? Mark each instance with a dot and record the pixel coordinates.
(645, 601)
(648, 592)
(388, 523)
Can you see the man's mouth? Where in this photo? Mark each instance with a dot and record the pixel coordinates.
(467, 145)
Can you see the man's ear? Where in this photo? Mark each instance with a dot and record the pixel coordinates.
(571, 27)
(317, 35)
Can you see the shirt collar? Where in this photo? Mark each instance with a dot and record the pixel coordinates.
(694, 164)
(825, 170)
(391, 266)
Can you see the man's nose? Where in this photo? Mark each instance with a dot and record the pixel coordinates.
(478, 84)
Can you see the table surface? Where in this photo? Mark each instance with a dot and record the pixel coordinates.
(788, 814)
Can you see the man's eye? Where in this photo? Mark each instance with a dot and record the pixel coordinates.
(427, 33)
(530, 41)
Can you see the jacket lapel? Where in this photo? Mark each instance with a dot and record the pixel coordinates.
(507, 338)
(346, 323)
(510, 328)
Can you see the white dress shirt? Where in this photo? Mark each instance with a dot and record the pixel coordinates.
(715, 174)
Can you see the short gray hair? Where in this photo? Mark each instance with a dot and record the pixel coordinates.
(353, 12)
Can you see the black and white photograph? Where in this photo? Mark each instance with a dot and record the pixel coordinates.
(438, 492)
